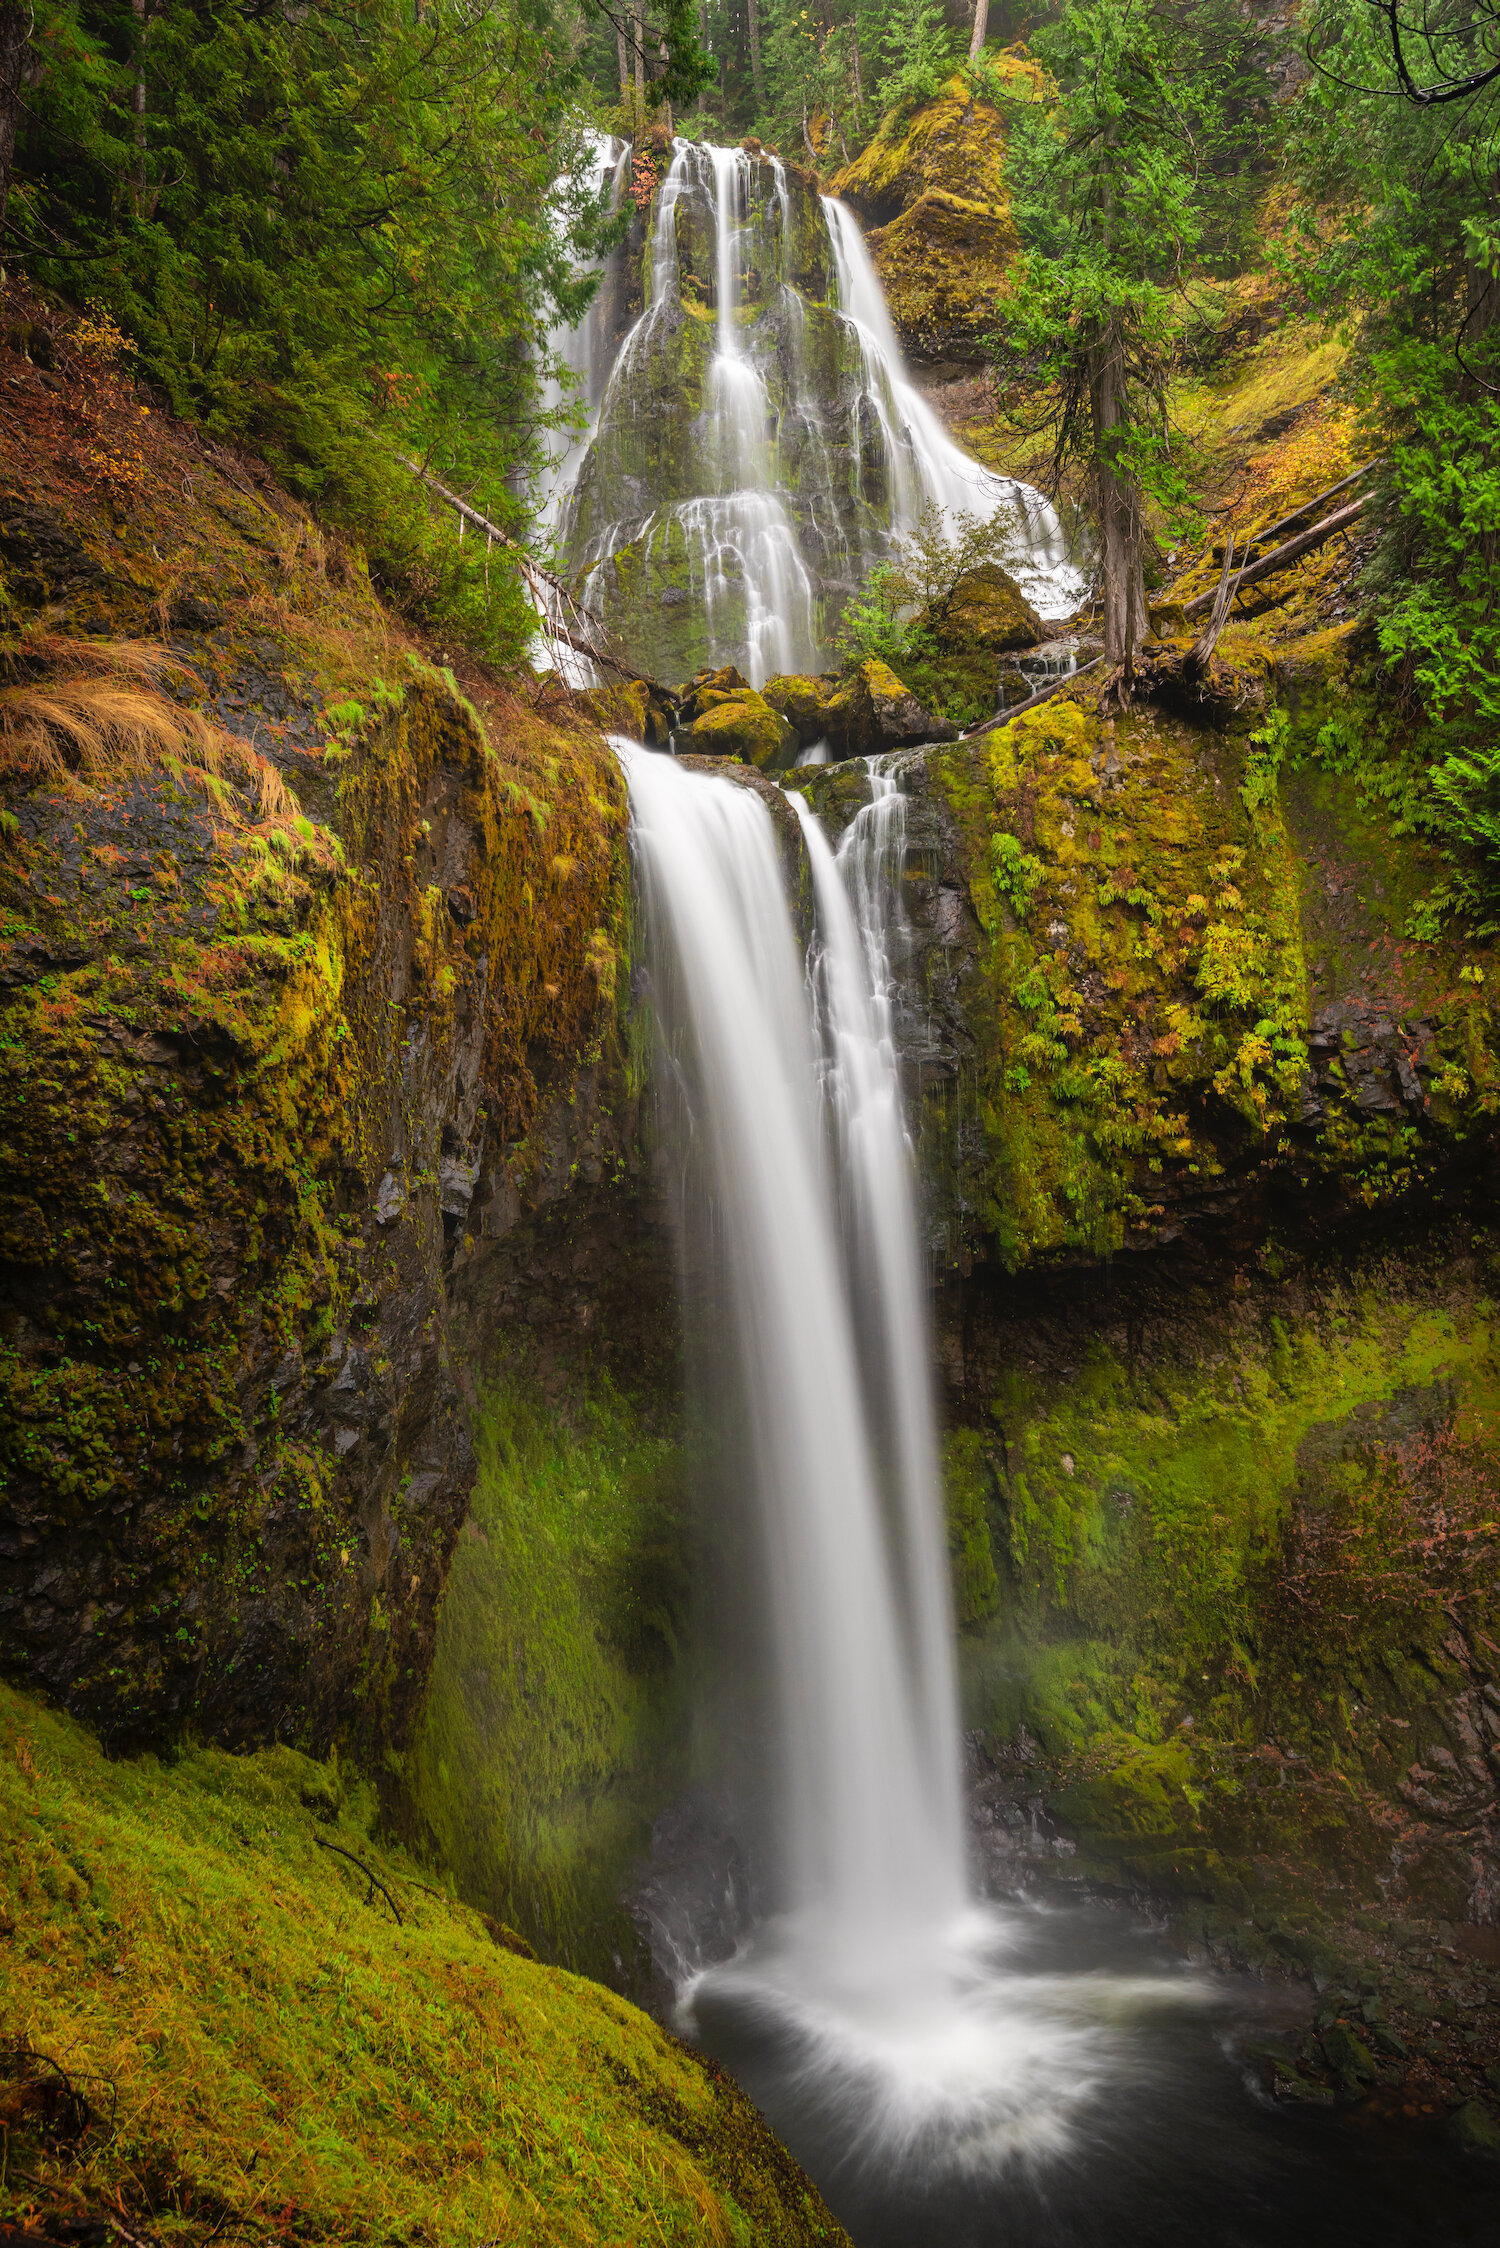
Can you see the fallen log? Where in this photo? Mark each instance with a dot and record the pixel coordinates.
(1043, 694)
(1282, 557)
(1268, 531)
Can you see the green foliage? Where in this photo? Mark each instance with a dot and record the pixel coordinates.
(877, 620)
(1017, 873)
(1268, 747)
(894, 615)
(1399, 231)
(325, 233)
(967, 1482)
(919, 53)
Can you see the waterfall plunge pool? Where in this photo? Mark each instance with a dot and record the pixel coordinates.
(1062, 2080)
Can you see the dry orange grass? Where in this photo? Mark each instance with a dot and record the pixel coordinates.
(97, 713)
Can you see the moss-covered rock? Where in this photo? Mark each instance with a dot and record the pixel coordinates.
(942, 265)
(259, 1076)
(965, 639)
(744, 726)
(932, 186)
(986, 612)
(804, 702)
(871, 710)
(269, 1993)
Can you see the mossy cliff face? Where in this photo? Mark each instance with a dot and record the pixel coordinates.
(1163, 984)
(1206, 1120)
(217, 1941)
(252, 1098)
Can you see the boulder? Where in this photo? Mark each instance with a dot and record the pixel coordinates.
(1473, 2130)
(872, 710)
(987, 611)
(803, 701)
(706, 688)
(743, 726)
(984, 619)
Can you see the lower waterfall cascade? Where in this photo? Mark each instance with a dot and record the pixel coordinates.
(874, 1961)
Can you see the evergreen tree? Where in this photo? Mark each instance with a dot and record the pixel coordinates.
(1398, 148)
(1110, 178)
(329, 233)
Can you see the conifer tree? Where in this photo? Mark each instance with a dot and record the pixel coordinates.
(1109, 176)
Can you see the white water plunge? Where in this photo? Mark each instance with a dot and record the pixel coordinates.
(875, 1975)
(579, 356)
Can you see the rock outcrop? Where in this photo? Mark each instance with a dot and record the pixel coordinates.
(931, 187)
(871, 711)
(269, 1078)
(1207, 1145)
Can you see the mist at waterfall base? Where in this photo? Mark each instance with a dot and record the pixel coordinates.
(951, 2070)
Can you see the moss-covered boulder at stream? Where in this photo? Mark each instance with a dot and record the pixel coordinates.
(743, 725)
(277, 2025)
(985, 614)
(966, 638)
(871, 711)
(804, 702)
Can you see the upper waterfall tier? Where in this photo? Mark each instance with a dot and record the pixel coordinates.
(759, 441)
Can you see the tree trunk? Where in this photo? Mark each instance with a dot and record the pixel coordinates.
(665, 60)
(639, 13)
(622, 57)
(752, 9)
(859, 91)
(981, 26)
(812, 154)
(138, 103)
(1118, 497)
(15, 30)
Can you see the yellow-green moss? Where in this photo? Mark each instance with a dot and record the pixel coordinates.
(267, 2052)
(554, 1724)
(1141, 1015)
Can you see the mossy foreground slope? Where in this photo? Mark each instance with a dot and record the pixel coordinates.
(263, 2047)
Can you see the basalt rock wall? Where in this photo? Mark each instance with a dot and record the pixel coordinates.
(273, 1090)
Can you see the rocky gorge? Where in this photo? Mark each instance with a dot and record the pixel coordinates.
(347, 1480)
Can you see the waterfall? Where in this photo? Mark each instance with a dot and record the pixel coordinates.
(874, 2011)
(858, 897)
(584, 349)
(932, 466)
(759, 442)
(867, 1837)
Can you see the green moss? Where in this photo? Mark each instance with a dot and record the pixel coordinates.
(746, 727)
(1145, 1635)
(265, 2051)
(1153, 907)
(555, 1718)
(968, 1479)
